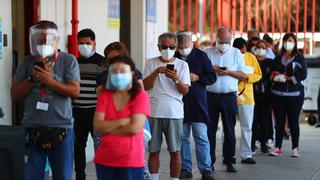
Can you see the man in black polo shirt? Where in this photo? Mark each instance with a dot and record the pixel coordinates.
(84, 106)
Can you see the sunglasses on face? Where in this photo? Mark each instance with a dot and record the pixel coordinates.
(166, 47)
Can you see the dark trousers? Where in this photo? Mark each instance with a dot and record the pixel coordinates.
(262, 121)
(83, 124)
(227, 106)
(118, 173)
(289, 106)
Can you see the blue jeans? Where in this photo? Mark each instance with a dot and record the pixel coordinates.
(200, 136)
(117, 173)
(60, 159)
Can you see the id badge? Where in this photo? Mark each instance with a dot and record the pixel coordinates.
(43, 106)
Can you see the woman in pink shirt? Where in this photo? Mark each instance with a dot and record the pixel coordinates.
(122, 109)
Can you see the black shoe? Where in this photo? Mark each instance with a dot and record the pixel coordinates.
(264, 150)
(212, 168)
(184, 174)
(224, 161)
(318, 125)
(207, 175)
(231, 168)
(248, 161)
(80, 176)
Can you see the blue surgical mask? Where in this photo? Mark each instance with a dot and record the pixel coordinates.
(121, 81)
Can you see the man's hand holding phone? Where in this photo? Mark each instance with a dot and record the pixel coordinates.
(42, 72)
(221, 71)
(170, 72)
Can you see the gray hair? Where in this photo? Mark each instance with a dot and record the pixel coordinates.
(224, 29)
(167, 35)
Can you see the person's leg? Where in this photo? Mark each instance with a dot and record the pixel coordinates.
(104, 172)
(214, 111)
(130, 173)
(35, 165)
(89, 122)
(173, 131)
(200, 136)
(155, 146)
(229, 112)
(186, 156)
(264, 118)
(81, 131)
(61, 158)
(293, 109)
(246, 118)
(280, 116)
(256, 124)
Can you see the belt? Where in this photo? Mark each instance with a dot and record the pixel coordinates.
(224, 94)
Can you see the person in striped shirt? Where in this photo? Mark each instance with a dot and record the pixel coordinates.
(84, 106)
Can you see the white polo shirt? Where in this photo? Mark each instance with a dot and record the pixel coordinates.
(233, 60)
(165, 99)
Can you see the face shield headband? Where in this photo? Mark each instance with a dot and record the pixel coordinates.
(184, 39)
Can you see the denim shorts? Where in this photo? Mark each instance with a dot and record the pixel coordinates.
(171, 128)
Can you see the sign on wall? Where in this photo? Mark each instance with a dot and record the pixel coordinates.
(152, 11)
(1, 39)
(114, 14)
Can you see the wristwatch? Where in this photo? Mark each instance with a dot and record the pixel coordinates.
(30, 78)
(177, 81)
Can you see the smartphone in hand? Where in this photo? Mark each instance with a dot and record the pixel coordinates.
(40, 64)
(223, 68)
(170, 66)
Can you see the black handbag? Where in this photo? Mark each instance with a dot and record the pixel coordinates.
(47, 137)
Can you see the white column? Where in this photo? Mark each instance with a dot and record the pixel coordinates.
(6, 63)
(138, 32)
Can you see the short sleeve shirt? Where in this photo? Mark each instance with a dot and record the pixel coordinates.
(121, 151)
(233, 60)
(59, 112)
(165, 98)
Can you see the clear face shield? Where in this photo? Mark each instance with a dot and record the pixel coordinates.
(184, 40)
(43, 42)
(119, 77)
(185, 43)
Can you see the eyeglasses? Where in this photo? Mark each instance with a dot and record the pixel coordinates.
(166, 47)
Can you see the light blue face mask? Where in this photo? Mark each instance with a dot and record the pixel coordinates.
(121, 81)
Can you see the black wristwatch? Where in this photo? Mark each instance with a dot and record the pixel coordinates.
(30, 78)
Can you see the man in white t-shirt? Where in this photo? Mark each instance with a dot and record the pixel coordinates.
(166, 79)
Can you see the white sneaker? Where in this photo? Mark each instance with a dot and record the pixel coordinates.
(295, 152)
(269, 143)
(257, 144)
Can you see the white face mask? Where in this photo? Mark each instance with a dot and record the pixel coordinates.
(85, 50)
(288, 46)
(185, 51)
(261, 52)
(45, 50)
(223, 47)
(167, 54)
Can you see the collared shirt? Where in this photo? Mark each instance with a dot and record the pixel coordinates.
(59, 113)
(233, 60)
